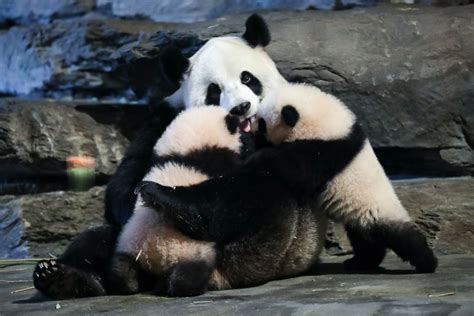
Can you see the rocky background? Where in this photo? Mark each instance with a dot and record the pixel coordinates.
(75, 77)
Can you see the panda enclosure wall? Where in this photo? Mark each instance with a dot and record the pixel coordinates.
(407, 72)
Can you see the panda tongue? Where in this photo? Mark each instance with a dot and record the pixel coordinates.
(245, 126)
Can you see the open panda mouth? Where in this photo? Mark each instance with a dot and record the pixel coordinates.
(245, 126)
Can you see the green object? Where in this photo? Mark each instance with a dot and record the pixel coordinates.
(81, 178)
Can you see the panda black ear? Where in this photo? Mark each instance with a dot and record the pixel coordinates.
(256, 31)
(289, 115)
(173, 64)
(232, 123)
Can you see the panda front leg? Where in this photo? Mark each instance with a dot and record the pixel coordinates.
(403, 237)
(189, 278)
(123, 276)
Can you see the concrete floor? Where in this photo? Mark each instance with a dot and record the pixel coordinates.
(395, 290)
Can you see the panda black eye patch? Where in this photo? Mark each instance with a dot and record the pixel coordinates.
(213, 95)
(251, 81)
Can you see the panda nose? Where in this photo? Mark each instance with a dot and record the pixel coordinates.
(240, 109)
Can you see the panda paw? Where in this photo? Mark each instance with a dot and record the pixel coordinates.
(59, 281)
(149, 192)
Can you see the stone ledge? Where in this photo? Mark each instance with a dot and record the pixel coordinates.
(443, 208)
(330, 291)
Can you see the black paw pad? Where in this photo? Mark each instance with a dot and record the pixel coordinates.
(47, 276)
(59, 281)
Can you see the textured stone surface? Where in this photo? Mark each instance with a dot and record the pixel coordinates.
(191, 11)
(41, 134)
(27, 11)
(330, 291)
(24, 11)
(413, 92)
(47, 222)
(442, 208)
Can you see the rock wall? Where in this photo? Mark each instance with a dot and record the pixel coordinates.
(44, 224)
(413, 92)
(26, 11)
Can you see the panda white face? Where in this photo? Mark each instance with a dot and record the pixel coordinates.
(233, 72)
(300, 111)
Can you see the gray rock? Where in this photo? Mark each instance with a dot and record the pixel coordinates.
(11, 232)
(412, 91)
(329, 291)
(49, 221)
(192, 11)
(24, 11)
(442, 208)
(41, 134)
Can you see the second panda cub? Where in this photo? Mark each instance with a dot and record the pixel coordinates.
(201, 143)
(322, 157)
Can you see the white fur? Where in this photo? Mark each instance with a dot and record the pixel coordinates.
(197, 128)
(172, 174)
(157, 245)
(221, 60)
(361, 192)
(321, 115)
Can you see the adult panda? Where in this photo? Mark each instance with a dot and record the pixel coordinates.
(212, 76)
(322, 159)
(231, 71)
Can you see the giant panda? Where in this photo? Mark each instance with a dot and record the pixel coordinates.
(201, 142)
(323, 159)
(231, 71)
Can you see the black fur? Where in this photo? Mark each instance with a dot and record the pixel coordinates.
(252, 82)
(232, 123)
(173, 65)
(223, 208)
(369, 252)
(189, 278)
(240, 109)
(119, 197)
(212, 161)
(256, 31)
(81, 270)
(124, 277)
(262, 127)
(289, 115)
(404, 238)
(59, 281)
(213, 95)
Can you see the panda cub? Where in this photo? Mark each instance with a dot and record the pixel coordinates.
(323, 158)
(200, 143)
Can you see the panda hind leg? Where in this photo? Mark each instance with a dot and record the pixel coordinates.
(58, 280)
(79, 271)
(404, 238)
(410, 244)
(189, 278)
(369, 251)
(123, 277)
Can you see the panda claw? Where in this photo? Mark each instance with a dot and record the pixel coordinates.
(60, 281)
